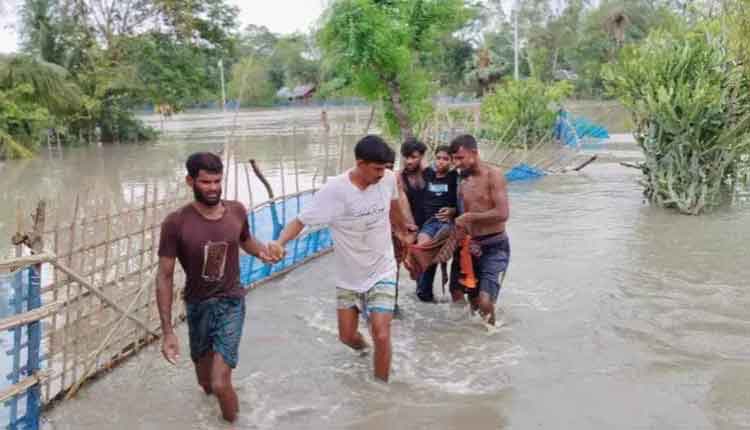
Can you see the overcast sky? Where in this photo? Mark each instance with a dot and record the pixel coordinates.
(280, 16)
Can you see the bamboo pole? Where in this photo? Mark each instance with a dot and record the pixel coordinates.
(144, 218)
(249, 187)
(69, 290)
(77, 353)
(25, 260)
(341, 149)
(296, 166)
(225, 160)
(94, 357)
(370, 120)
(282, 175)
(153, 257)
(236, 180)
(30, 316)
(101, 295)
(107, 247)
(325, 155)
(23, 385)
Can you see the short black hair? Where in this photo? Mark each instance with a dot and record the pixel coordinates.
(443, 148)
(465, 141)
(373, 149)
(206, 161)
(412, 145)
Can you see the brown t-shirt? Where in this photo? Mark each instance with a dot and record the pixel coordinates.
(208, 250)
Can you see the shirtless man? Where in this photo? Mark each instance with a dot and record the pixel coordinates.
(483, 212)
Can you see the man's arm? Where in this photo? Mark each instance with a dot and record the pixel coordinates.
(403, 202)
(290, 232)
(164, 296)
(402, 220)
(255, 248)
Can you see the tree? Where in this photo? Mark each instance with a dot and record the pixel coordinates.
(250, 83)
(689, 102)
(125, 53)
(382, 46)
(523, 112)
(34, 95)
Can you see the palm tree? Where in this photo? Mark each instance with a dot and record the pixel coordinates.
(35, 94)
(51, 88)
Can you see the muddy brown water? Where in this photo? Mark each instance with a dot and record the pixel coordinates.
(614, 315)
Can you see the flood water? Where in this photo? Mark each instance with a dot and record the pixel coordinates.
(614, 315)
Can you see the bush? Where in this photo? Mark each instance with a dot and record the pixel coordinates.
(523, 111)
(689, 103)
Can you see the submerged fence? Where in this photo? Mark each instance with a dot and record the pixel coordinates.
(79, 298)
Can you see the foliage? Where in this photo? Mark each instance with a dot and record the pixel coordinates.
(381, 48)
(34, 95)
(523, 111)
(690, 106)
(124, 54)
(250, 82)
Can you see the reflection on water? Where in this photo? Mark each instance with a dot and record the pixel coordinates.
(615, 315)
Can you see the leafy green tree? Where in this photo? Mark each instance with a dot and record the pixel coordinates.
(523, 112)
(382, 47)
(690, 106)
(250, 83)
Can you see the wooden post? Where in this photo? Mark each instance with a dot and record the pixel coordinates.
(155, 223)
(341, 149)
(236, 180)
(68, 331)
(326, 155)
(33, 401)
(54, 344)
(79, 302)
(296, 165)
(144, 226)
(283, 189)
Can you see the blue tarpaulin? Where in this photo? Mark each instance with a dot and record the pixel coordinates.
(266, 223)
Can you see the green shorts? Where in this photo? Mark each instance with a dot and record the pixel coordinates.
(381, 298)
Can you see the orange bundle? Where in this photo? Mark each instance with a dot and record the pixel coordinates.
(468, 278)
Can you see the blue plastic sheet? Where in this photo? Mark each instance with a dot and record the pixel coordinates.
(266, 223)
(19, 293)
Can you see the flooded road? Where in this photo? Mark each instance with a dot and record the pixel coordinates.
(614, 315)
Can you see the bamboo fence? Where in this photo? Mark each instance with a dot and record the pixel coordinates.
(99, 260)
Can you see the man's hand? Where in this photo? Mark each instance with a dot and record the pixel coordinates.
(170, 348)
(275, 251)
(406, 238)
(266, 258)
(464, 222)
(446, 214)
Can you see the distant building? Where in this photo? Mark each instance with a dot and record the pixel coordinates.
(300, 93)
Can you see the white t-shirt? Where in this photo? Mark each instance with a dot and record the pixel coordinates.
(360, 226)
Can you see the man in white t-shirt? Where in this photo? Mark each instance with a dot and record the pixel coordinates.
(359, 206)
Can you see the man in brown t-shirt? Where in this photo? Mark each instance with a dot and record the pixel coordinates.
(205, 236)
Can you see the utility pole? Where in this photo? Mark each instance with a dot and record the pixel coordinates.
(223, 93)
(515, 39)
